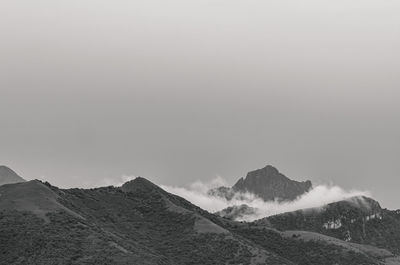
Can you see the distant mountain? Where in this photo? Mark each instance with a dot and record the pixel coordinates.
(8, 176)
(267, 183)
(140, 223)
(358, 219)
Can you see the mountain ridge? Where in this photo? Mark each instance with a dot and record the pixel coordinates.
(358, 219)
(140, 223)
(9, 176)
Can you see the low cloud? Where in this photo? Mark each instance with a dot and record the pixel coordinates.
(197, 193)
(318, 196)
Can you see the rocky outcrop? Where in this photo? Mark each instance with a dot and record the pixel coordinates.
(269, 184)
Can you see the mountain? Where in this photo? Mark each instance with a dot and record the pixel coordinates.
(140, 223)
(8, 176)
(358, 220)
(267, 183)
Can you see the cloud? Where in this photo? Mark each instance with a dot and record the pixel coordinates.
(197, 193)
(320, 195)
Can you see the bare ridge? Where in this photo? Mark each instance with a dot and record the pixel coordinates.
(8, 176)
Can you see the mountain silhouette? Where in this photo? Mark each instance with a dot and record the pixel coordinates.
(8, 176)
(140, 223)
(267, 183)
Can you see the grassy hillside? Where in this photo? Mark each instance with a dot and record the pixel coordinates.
(359, 220)
(139, 223)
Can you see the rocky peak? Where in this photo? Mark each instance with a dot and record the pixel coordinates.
(269, 184)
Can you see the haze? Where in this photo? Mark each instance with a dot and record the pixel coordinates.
(179, 91)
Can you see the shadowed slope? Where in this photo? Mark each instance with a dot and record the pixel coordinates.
(31, 196)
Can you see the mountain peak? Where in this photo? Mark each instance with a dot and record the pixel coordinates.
(8, 176)
(269, 184)
(139, 184)
(266, 172)
(271, 169)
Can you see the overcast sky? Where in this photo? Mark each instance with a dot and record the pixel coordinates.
(177, 91)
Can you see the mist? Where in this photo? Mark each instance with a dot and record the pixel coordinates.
(197, 193)
(320, 195)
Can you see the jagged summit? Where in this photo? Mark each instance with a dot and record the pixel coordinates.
(269, 184)
(8, 176)
(265, 172)
(268, 170)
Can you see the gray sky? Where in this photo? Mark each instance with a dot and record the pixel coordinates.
(177, 91)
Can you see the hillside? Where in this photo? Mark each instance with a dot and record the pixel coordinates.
(358, 220)
(139, 223)
(8, 176)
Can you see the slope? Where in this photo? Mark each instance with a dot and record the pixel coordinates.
(139, 223)
(358, 220)
(8, 176)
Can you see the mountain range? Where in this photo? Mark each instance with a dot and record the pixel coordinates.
(140, 223)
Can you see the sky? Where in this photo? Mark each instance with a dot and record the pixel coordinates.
(181, 90)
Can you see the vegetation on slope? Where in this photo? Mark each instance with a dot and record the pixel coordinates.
(140, 223)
